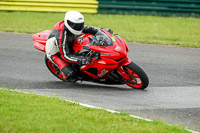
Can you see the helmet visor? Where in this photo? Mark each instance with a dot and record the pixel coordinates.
(76, 26)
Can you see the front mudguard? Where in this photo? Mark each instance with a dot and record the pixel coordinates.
(125, 62)
(120, 69)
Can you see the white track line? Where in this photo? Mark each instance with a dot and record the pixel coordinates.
(95, 107)
(108, 110)
(113, 111)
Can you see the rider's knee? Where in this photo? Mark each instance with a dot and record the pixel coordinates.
(51, 47)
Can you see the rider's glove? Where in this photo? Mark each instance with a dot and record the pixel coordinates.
(101, 42)
(109, 30)
(83, 60)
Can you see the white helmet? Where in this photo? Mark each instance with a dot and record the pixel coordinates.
(74, 21)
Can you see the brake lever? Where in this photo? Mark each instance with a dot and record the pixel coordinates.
(94, 60)
(89, 53)
(95, 57)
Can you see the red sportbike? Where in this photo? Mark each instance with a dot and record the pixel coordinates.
(109, 64)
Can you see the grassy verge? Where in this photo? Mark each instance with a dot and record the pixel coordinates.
(21, 113)
(145, 29)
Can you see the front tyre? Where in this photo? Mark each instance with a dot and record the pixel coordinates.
(138, 78)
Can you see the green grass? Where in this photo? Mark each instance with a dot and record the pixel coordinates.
(30, 113)
(145, 29)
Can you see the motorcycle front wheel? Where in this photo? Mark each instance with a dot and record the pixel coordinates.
(138, 78)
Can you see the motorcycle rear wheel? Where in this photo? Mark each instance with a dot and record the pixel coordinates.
(139, 79)
(53, 69)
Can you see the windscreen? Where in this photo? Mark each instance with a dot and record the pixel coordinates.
(101, 39)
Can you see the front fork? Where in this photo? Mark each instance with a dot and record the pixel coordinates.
(121, 71)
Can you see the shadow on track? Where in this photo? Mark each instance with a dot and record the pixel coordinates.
(65, 85)
(78, 85)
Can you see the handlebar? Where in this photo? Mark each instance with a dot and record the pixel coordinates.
(93, 56)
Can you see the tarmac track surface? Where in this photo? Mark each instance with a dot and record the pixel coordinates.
(173, 94)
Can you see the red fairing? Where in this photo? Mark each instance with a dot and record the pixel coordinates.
(120, 40)
(39, 40)
(112, 57)
(80, 42)
(105, 67)
(117, 51)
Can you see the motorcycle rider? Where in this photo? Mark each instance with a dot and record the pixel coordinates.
(59, 44)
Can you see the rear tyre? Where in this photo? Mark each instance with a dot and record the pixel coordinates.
(53, 69)
(139, 79)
